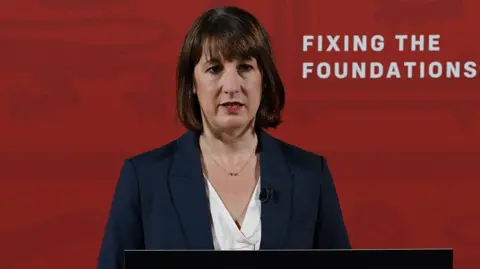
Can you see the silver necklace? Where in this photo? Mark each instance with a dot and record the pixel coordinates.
(233, 174)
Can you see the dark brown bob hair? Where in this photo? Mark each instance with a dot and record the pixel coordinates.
(228, 33)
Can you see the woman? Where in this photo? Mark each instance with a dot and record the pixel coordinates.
(226, 184)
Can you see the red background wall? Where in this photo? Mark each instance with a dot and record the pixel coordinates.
(87, 83)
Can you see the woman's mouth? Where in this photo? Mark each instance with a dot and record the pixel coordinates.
(232, 107)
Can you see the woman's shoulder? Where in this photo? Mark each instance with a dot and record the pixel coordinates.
(155, 155)
(295, 150)
(300, 155)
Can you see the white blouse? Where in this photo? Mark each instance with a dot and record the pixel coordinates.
(226, 234)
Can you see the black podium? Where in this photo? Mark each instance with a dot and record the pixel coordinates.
(295, 259)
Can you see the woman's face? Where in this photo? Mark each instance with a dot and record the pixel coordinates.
(229, 92)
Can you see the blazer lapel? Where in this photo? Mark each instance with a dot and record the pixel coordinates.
(187, 187)
(188, 190)
(275, 176)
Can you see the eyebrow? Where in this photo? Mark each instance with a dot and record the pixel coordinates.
(212, 61)
(217, 61)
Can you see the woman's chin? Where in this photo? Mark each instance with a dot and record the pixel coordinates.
(232, 124)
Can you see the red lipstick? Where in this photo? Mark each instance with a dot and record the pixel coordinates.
(232, 107)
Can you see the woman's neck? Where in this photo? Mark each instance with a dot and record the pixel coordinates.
(226, 144)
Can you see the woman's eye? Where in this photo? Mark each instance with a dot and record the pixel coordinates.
(214, 69)
(245, 67)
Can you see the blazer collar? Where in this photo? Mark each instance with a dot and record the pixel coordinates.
(276, 176)
(188, 190)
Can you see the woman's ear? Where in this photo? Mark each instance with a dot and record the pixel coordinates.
(194, 90)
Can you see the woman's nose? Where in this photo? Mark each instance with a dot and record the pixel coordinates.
(231, 80)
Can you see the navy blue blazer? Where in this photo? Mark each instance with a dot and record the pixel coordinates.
(160, 201)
